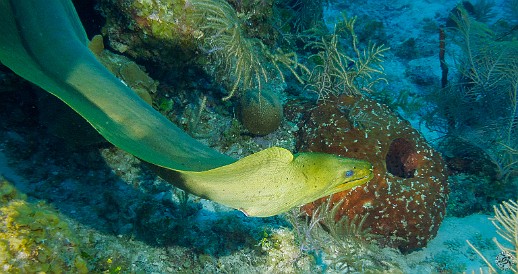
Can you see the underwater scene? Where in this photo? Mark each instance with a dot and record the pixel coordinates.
(258, 136)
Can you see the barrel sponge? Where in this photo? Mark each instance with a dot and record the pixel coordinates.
(405, 202)
(260, 111)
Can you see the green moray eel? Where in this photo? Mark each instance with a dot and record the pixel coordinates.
(45, 43)
(273, 180)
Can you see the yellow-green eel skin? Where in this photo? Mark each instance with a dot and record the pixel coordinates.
(45, 43)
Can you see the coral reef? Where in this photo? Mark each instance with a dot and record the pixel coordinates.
(156, 31)
(406, 199)
(260, 112)
(33, 237)
(477, 112)
(336, 72)
(125, 69)
(233, 41)
(283, 254)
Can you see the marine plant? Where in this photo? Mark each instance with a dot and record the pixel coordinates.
(239, 60)
(511, 8)
(341, 243)
(483, 10)
(304, 15)
(505, 221)
(335, 72)
(237, 55)
(353, 243)
(480, 108)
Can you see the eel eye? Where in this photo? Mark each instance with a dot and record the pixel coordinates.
(349, 173)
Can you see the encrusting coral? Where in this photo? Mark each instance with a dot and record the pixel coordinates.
(406, 199)
(213, 34)
(33, 238)
(125, 69)
(150, 30)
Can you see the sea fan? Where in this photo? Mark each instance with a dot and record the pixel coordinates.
(506, 223)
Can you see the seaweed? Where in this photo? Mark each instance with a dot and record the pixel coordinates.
(305, 14)
(505, 221)
(336, 72)
(511, 9)
(480, 108)
(245, 59)
(341, 243)
(236, 54)
(483, 10)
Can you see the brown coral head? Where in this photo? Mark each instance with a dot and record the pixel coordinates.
(402, 159)
(261, 112)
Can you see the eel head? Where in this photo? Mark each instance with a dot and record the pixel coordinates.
(327, 174)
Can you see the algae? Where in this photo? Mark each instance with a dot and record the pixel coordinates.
(34, 238)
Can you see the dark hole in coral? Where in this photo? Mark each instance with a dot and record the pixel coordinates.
(401, 160)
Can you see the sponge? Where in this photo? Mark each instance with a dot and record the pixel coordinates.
(260, 112)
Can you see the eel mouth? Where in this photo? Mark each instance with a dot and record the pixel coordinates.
(368, 175)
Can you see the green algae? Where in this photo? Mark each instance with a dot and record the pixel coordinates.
(34, 238)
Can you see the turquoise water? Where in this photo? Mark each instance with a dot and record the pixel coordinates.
(71, 201)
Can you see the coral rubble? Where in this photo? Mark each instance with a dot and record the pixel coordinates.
(407, 197)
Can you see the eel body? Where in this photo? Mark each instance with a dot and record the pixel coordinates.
(45, 43)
